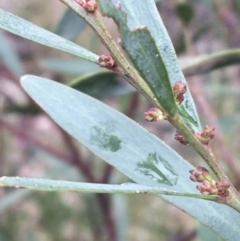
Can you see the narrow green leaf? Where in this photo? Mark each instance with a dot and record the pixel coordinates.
(25, 29)
(70, 25)
(99, 84)
(53, 185)
(69, 66)
(143, 31)
(207, 63)
(38, 184)
(142, 50)
(206, 234)
(131, 149)
(9, 56)
(102, 85)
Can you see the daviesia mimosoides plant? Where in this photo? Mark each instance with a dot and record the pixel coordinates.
(146, 58)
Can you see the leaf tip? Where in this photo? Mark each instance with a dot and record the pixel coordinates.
(23, 80)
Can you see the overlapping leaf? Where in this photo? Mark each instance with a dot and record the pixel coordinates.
(102, 85)
(70, 25)
(9, 56)
(129, 148)
(25, 29)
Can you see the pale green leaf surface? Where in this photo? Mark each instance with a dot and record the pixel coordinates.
(70, 25)
(131, 149)
(10, 57)
(142, 14)
(25, 29)
(206, 234)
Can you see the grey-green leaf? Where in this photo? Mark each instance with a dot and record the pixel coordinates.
(84, 187)
(102, 85)
(70, 25)
(207, 63)
(131, 149)
(25, 29)
(142, 16)
(10, 57)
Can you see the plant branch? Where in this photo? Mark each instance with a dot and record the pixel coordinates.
(128, 72)
(211, 116)
(206, 153)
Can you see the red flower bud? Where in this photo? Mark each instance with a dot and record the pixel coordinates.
(154, 114)
(205, 136)
(208, 132)
(179, 89)
(199, 174)
(206, 188)
(179, 137)
(89, 5)
(106, 61)
(222, 187)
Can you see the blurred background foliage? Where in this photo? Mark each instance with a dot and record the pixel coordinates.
(32, 145)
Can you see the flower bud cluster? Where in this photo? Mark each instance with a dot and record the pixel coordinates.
(179, 137)
(179, 89)
(154, 114)
(106, 61)
(89, 5)
(208, 185)
(204, 137)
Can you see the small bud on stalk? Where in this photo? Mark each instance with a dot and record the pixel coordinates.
(154, 114)
(222, 187)
(199, 174)
(207, 135)
(179, 89)
(179, 137)
(206, 188)
(89, 5)
(106, 61)
(208, 185)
